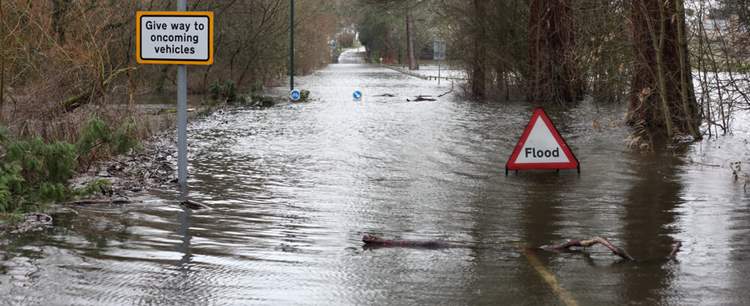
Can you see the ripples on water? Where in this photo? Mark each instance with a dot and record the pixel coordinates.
(293, 187)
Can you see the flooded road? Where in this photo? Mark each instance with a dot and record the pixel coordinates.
(293, 188)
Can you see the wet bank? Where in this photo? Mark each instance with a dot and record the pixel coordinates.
(293, 188)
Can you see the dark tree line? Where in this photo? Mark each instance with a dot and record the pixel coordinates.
(643, 52)
(64, 59)
(553, 73)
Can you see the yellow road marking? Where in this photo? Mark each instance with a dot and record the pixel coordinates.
(550, 279)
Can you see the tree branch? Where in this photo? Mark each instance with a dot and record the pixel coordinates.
(588, 243)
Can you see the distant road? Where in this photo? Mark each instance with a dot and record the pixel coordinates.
(352, 56)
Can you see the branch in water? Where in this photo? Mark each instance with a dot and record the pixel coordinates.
(588, 243)
(375, 241)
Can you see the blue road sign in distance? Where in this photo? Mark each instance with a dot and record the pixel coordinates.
(295, 95)
(357, 95)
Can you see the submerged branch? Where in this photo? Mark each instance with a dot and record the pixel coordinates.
(588, 243)
(116, 201)
(375, 241)
(599, 240)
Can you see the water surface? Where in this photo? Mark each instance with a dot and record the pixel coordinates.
(293, 188)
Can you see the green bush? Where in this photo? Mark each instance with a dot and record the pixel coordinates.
(11, 181)
(97, 139)
(102, 186)
(223, 90)
(125, 138)
(34, 172)
(304, 95)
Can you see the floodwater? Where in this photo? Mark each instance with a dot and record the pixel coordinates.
(293, 188)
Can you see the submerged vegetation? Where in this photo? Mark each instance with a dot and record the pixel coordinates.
(34, 172)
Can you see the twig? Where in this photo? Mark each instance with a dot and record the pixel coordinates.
(588, 243)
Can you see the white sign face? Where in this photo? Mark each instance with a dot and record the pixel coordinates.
(174, 38)
(438, 50)
(541, 146)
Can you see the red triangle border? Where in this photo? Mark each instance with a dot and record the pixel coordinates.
(540, 114)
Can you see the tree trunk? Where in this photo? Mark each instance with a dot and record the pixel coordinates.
(2, 62)
(662, 98)
(478, 76)
(553, 74)
(2, 82)
(413, 64)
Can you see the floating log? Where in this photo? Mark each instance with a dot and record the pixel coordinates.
(117, 201)
(375, 241)
(421, 98)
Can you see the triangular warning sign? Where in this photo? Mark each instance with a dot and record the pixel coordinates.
(541, 147)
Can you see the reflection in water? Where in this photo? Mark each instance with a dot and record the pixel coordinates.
(184, 284)
(542, 208)
(650, 209)
(542, 222)
(293, 187)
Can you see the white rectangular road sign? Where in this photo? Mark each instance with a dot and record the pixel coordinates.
(184, 38)
(438, 50)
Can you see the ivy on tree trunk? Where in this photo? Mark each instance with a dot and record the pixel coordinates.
(662, 101)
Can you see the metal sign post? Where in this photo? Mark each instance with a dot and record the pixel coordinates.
(438, 54)
(182, 120)
(291, 45)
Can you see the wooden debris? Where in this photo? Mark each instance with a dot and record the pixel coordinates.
(375, 241)
(194, 205)
(588, 243)
(117, 201)
(420, 98)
